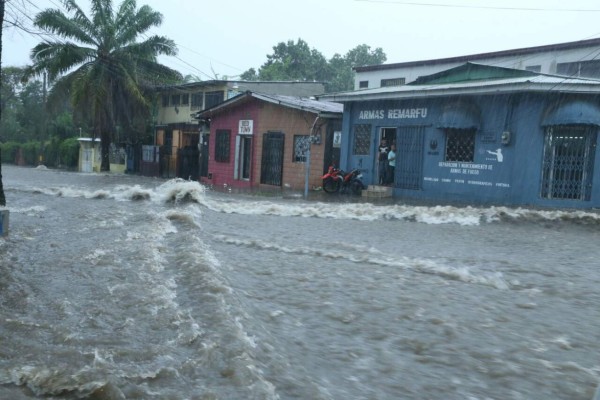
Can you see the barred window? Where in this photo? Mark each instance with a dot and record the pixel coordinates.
(362, 140)
(460, 145)
(185, 99)
(197, 99)
(568, 165)
(301, 144)
(165, 100)
(214, 98)
(175, 100)
(393, 82)
(363, 84)
(222, 146)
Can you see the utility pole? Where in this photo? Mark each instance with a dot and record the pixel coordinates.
(2, 198)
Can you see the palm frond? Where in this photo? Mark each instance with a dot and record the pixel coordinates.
(56, 22)
(136, 23)
(58, 58)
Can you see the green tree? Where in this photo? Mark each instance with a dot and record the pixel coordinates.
(98, 61)
(342, 66)
(298, 62)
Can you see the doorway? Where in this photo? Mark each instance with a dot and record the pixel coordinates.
(271, 170)
(243, 158)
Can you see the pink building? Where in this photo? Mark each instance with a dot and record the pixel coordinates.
(259, 140)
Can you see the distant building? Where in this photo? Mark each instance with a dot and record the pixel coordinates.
(573, 59)
(90, 156)
(259, 140)
(175, 151)
(480, 134)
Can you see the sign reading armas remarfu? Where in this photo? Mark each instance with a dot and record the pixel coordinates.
(395, 113)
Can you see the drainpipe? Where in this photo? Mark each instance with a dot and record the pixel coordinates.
(307, 171)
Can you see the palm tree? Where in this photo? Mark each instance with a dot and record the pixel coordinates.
(99, 63)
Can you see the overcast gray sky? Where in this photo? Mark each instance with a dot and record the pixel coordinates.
(227, 37)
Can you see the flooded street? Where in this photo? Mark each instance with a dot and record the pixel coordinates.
(124, 287)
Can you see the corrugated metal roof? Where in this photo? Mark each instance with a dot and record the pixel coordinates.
(300, 103)
(539, 83)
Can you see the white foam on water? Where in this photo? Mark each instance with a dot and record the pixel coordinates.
(466, 216)
(179, 191)
(463, 274)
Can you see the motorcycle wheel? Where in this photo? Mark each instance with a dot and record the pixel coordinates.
(357, 188)
(331, 185)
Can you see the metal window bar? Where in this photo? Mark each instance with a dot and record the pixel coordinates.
(460, 145)
(301, 145)
(568, 163)
(362, 139)
(222, 145)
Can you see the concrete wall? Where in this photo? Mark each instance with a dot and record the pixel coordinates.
(512, 179)
(547, 60)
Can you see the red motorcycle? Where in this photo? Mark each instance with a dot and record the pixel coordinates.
(336, 180)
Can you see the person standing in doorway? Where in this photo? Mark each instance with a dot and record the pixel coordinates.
(391, 164)
(383, 161)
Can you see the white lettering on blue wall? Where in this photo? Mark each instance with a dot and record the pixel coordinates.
(399, 113)
(407, 113)
(371, 114)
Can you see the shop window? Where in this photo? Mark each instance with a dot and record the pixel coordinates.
(301, 144)
(460, 145)
(222, 145)
(362, 140)
(568, 163)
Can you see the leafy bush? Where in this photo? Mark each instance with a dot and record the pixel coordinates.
(9, 152)
(69, 152)
(52, 152)
(31, 152)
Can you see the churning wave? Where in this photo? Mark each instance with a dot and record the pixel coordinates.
(180, 191)
(374, 257)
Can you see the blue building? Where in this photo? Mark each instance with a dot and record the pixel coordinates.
(478, 134)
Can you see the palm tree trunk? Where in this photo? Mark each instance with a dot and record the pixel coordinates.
(2, 198)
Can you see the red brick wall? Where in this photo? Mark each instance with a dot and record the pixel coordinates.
(267, 117)
(291, 122)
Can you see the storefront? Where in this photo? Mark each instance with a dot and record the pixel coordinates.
(481, 135)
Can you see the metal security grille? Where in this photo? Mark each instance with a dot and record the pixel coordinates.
(222, 145)
(568, 164)
(362, 140)
(409, 157)
(271, 170)
(301, 145)
(460, 145)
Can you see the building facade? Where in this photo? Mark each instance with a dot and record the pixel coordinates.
(258, 140)
(177, 135)
(477, 134)
(573, 59)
